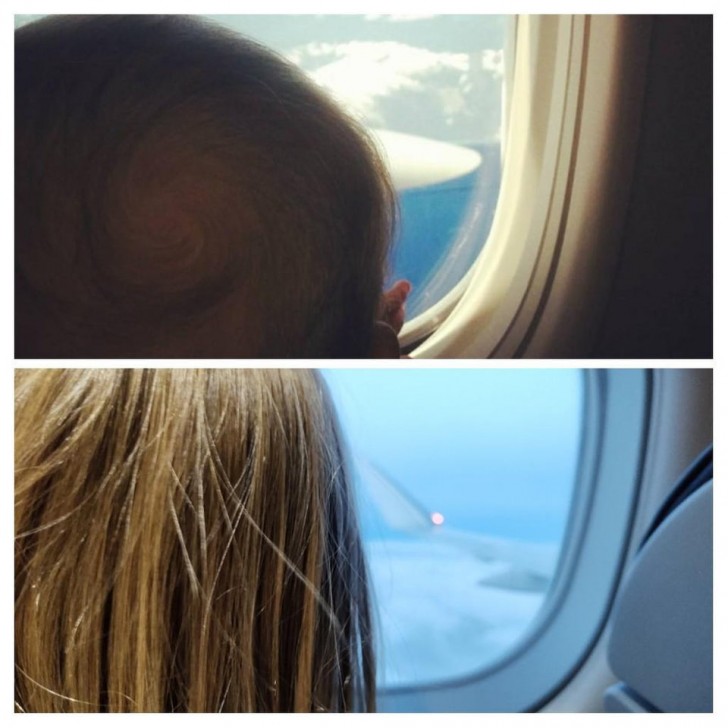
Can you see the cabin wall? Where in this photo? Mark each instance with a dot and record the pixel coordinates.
(661, 301)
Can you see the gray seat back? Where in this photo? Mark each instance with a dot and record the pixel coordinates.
(661, 642)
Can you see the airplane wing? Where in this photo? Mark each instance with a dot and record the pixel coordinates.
(415, 161)
(516, 565)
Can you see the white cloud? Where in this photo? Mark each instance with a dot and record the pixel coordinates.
(437, 620)
(393, 85)
(360, 72)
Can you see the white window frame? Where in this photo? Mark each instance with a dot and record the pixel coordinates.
(572, 127)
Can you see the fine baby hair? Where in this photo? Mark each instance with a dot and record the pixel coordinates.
(183, 191)
(185, 540)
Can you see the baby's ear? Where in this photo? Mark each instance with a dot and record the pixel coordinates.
(392, 305)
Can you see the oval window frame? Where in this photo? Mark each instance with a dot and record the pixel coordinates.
(616, 420)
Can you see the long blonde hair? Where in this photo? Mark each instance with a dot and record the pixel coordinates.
(185, 541)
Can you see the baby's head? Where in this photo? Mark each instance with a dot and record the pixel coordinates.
(182, 191)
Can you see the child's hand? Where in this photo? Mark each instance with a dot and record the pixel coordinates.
(392, 304)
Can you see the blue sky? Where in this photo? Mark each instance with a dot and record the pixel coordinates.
(494, 450)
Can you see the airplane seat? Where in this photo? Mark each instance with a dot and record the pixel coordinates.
(661, 641)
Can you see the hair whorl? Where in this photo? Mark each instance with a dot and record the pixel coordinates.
(172, 178)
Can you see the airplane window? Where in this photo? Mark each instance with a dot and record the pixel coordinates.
(465, 482)
(429, 88)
